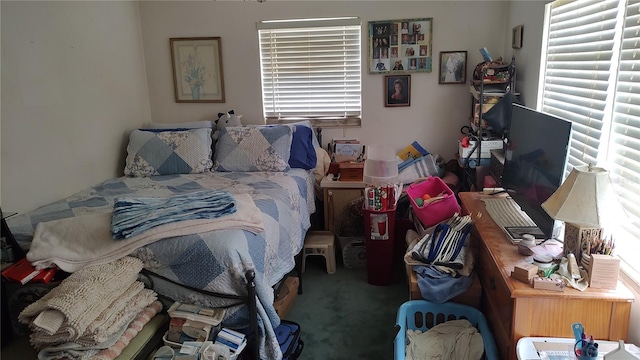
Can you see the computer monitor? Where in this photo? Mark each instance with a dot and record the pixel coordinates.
(535, 160)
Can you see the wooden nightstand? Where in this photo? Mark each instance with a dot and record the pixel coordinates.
(336, 195)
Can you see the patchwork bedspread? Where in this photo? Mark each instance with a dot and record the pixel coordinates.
(215, 261)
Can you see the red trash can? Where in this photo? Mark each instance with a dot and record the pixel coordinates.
(378, 236)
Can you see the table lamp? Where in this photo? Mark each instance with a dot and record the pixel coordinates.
(586, 203)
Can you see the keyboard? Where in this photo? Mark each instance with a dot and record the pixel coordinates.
(506, 212)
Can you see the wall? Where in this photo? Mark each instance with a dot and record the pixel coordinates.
(73, 86)
(530, 14)
(436, 114)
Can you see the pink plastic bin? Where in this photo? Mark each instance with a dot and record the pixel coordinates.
(432, 214)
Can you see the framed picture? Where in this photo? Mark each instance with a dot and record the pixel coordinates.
(516, 37)
(400, 46)
(197, 69)
(397, 90)
(453, 67)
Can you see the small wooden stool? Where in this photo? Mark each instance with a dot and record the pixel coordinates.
(320, 243)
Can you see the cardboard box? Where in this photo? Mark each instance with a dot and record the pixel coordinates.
(486, 146)
(351, 171)
(286, 296)
(603, 271)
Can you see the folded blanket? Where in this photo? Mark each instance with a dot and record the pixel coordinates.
(77, 242)
(133, 216)
(69, 309)
(111, 348)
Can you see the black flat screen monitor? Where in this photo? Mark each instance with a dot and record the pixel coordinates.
(535, 159)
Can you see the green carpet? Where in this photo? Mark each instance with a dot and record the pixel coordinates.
(342, 316)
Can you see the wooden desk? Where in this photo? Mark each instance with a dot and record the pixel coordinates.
(515, 309)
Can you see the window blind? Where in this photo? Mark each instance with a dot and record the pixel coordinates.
(591, 76)
(578, 63)
(311, 70)
(624, 147)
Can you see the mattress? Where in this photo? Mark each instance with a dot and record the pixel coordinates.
(215, 261)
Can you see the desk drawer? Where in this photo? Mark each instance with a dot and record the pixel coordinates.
(498, 297)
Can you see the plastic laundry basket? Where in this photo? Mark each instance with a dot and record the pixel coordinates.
(423, 314)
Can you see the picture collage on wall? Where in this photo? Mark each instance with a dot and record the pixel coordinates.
(400, 45)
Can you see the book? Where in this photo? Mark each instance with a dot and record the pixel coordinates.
(485, 54)
(21, 271)
(413, 151)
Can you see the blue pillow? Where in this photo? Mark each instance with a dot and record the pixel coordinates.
(303, 154)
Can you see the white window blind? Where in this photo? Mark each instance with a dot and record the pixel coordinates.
(578, 64)
(591, 76)
(623, 159)
(311, 70)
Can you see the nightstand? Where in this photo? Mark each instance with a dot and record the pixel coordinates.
(336, 195)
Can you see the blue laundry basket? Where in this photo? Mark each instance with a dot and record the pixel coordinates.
(423, 314)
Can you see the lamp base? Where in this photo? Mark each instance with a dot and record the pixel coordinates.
(578, 238)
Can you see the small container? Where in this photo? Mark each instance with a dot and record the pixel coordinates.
(381, 166)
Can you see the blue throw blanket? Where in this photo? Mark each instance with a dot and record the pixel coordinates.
(133, 216)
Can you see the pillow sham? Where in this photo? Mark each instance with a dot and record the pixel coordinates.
(303, 153)
(248, 148)
(158, 152)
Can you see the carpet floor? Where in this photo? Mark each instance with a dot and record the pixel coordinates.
(342, 316)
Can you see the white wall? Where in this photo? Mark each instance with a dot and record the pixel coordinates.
(436, 113)
(73, 86)
(530, 14)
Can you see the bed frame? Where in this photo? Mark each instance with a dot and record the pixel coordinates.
(249, 299)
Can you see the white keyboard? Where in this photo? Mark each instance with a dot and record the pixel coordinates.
(506, 213)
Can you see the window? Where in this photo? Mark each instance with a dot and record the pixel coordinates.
(311, 70)
(591, 76)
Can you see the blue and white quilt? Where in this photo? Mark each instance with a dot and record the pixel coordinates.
(215, 261)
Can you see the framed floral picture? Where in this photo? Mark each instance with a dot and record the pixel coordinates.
(400, 46)
(397, 90)
(197, 69)
(453, 67)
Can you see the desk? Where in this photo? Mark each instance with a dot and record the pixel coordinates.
(515, 309)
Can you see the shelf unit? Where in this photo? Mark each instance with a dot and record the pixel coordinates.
(496, 81)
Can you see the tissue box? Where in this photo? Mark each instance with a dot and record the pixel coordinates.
(603, 271)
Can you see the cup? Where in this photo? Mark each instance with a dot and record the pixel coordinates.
(382, 225)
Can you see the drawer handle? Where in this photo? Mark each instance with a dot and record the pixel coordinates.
(492, 283)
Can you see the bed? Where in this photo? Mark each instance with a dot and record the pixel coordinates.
(214, 261)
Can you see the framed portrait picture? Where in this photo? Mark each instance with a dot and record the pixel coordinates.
(516, 37)
(397, 90)
(453, 67)
(197, 69)
(400, 46)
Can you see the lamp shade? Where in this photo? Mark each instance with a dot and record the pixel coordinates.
(586, 197)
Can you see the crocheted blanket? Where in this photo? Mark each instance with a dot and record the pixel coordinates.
(109, 349)
(88, 306)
